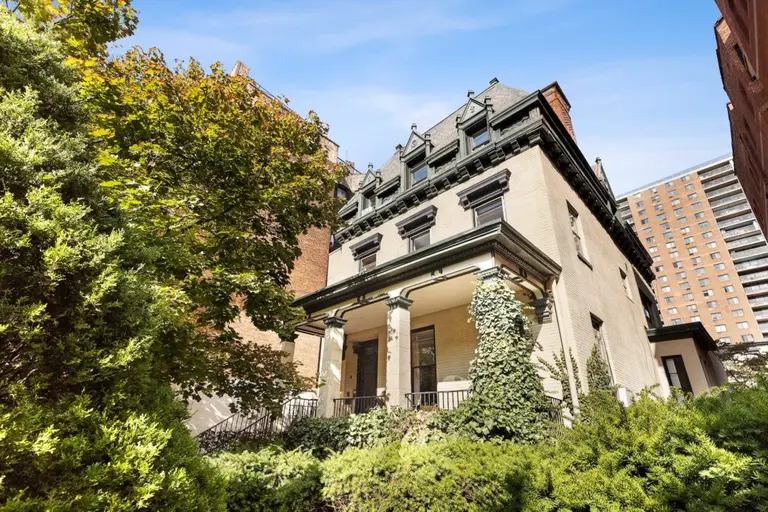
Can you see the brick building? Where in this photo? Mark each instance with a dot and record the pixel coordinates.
(742, 54)
(709, 255)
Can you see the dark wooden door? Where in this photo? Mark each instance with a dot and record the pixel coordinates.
(367, 374)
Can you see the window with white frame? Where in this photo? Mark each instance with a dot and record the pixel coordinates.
(578, 237)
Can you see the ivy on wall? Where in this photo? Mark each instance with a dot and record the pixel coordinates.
(598, 375)
(558, 370)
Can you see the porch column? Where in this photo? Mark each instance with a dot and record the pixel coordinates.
(398, 351)
(287, 347)
(330, 365)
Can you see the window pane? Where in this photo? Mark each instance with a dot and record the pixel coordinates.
(368, 263)
(479, 138)
(489, 212)
(420, 241)
(419, 174)
(423, 369)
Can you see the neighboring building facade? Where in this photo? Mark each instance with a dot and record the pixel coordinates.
(742, 54)
(709, 255)
(497, 189)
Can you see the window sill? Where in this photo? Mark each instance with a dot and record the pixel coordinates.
(586, 261)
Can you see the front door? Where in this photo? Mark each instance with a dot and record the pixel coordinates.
(367, 375)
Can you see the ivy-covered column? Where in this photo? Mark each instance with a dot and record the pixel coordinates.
(398, 351)
(330, 365)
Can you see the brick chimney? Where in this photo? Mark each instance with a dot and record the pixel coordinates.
(559, 103)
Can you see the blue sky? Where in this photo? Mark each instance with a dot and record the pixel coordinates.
(641, 76)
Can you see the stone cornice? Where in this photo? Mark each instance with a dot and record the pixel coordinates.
(417, 222)
(366, 247)
(398, 302)
(387, 186)
(489, 188)
(530, 122)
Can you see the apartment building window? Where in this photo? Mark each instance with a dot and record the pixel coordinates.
(725, 340)
(709, 293)
(675, 202)
(674, 254)
(724, 277)
(719, 266)
(645, 221)
(647, 230)
(700, 270)
(729, 289)
(678, 212)
(669, 235)
(711, 245)
(664, 225)
(578, 239)
(711, 304)
(672, 311)
(489, 212)
(685, 230)
(650, 239)
(677, 376)
(738, 312)
(670, 245)
(692, 307)
(625, 283)
(704, 281)
(642, 212)
(653, 249)
(417, 170)
(597, 331)
(639, 204)
(706, 234)
(663, 279)
(677, 264)
(685, 178)
(688, 296)
(693, 195)
(666, 289)
(659, 268)
(688, 240)
(669, 184)
(368, 263)
(669, 300)
(742, 325)
(681, 275)
(657, 259)
(699, 215)
(659, 207)
(676, 321)
(747, 338)
(696, 260)
(682, 220)
(733, 300)
(654, 190)
(696, 206)
(695, 318)
(715, 255)
(717, 316)
(704, 225)
(692, 251)
(419, 241)
(721, 328)
(661, 216)
(655, 199)
(685, 285)
(690, 186)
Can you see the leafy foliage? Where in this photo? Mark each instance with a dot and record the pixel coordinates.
(507, 399)
(559, 371)
(742, 361)
(598, 375)
(322, 436)
(269, 480)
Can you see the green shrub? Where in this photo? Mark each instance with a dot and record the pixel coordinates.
(270, 480)
(320, 435)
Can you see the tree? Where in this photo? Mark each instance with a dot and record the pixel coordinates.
(598, 375)
(507, 399)
(559, 371)
(743, 361)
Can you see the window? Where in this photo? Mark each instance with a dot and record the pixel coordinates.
(659, 268)
(576, 231)
(696, 206)
(685, 230)
(655, 199)
(693, 195)
(692, 251)
(719, 266)
(695, 318)
(725, 339)
(419, 241)
(704, 225)
(738, 312)
(653, 249)
(478, 137)
(729, 289)
(678, 212)
(699, 215)
(670, 245)
(692, 307)
(675, 202)
(681, 275)
(663, 279)
(717, 316)
(706, 234)
(677, 264)
(645, 221)
(709, 293)
(658, 207)
(688, 296)
(712, 304)
(423, 368)
(639, 204)
(696, 260)
(417, 170)
(747, 338)
(704, 281)
(664, 225)
(715, 255)
(490, 212)
(742, 325)
(676, 321)
(666, 289)
(677, 376)
(669, 300)
(597, 331)
(657, 259)
(711, 245)
(724, 277)
(700, 270)
(661, 216)
(685, 285)
(688, 240)
(720, 328)
(669, 184)
(650, 239)
(625, 283)
(669, 235)
(674, 254)
(672, 311)
(368, 263)
(690, 187)
(682, 220)
(733, 300)
(685, 178)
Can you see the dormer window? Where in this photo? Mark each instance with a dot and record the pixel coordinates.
(369, 202)
(478, 136)
(417, 170)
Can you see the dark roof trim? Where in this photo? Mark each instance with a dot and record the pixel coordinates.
(366, 247)
(417, 222)
(693, 330)
(488, 189)
(447, 150)
(496, 236)
(387, 186)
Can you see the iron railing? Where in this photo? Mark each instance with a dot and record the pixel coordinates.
(356, 404)
(443, 400)
(261, 425)
(556, 409)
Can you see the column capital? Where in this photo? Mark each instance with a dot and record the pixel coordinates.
(398, 301)
(289, 338)
(543, 309)
(335, 321)
(497, 272)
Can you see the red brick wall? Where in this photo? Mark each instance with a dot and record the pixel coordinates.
(559, 103)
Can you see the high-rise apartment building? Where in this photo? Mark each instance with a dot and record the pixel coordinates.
(709, 254)
(742, 54)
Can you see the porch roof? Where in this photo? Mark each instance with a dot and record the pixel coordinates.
(497, 236)
(693, 330)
